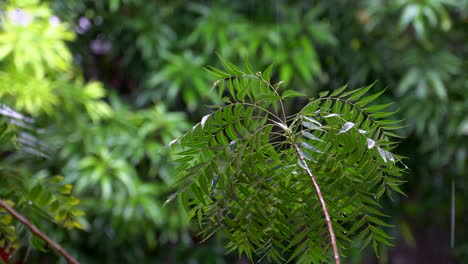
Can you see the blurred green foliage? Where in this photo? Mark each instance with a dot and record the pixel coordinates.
(105, 82)
(113, 153)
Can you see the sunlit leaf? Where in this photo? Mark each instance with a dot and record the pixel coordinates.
(311, 136)
(346, 127)
(382, 154)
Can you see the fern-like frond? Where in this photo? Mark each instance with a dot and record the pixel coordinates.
(246, 169)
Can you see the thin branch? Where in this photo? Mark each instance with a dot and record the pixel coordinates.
(37, 232)
(324, 206)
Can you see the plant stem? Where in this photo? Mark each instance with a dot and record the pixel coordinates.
(37, 232)
(324, 206)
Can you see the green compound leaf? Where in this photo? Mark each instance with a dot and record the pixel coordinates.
(245, 171)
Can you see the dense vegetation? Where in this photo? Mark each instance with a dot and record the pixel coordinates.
(92, 92)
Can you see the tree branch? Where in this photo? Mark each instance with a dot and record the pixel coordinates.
(37, 232)
(324, 206)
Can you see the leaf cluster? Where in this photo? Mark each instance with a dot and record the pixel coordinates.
(240, 174)
(37, 197)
